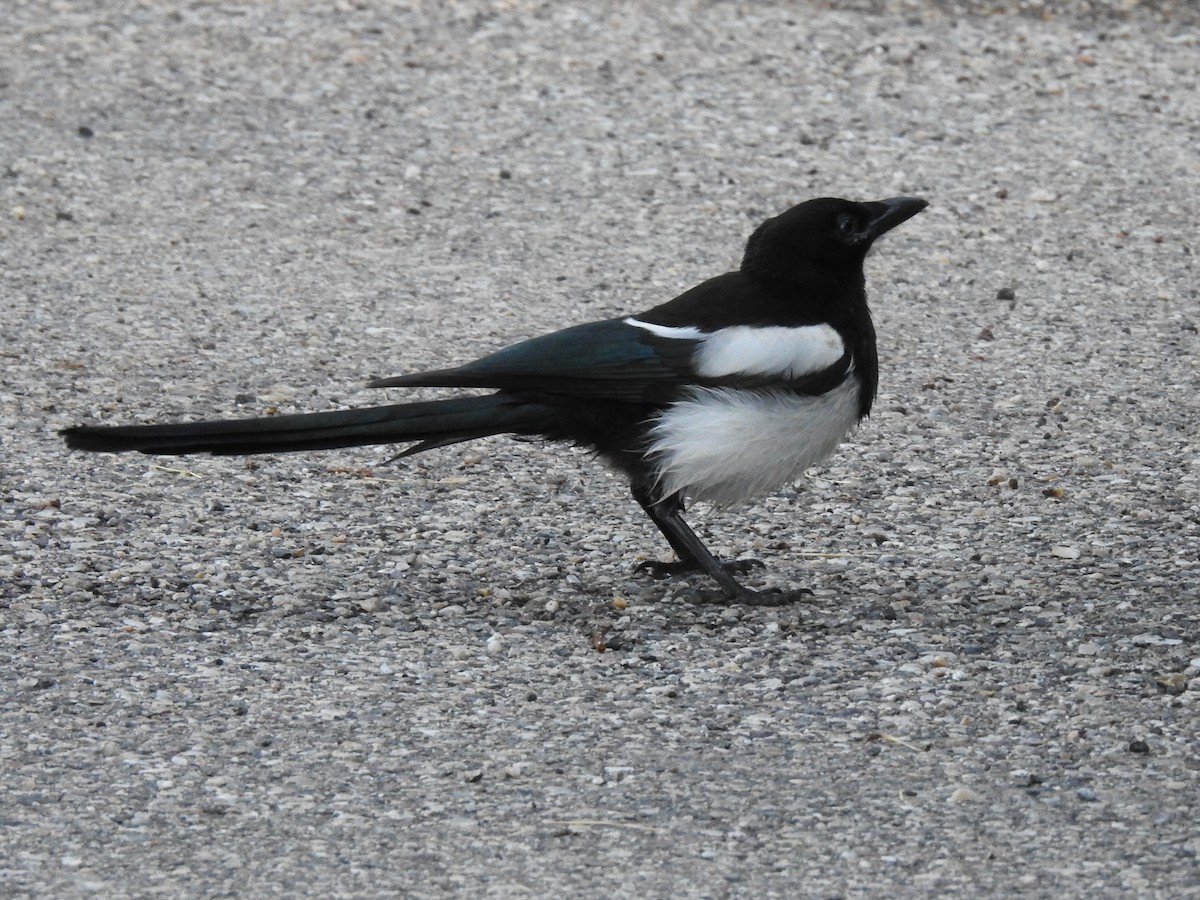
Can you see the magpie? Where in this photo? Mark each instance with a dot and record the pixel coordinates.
(728, 391)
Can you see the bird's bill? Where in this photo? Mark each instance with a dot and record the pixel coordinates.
(892, 212)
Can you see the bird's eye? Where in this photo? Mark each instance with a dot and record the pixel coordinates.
(847, 227)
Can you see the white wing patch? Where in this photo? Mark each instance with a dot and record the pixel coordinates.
(667, 331)
(786, 352)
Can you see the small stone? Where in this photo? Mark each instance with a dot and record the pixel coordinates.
(1173, 683)
(1087, 795)
(963, 795)
(1137, 745)
(1065, 552)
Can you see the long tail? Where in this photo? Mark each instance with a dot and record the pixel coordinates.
(431, 424)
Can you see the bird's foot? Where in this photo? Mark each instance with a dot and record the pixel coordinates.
(728, 594)
(656, 569)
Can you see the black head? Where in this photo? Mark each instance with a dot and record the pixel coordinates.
(824, 234)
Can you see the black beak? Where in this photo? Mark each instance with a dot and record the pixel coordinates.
(887, 214)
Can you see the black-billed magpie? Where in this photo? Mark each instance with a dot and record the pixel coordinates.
(722, 394)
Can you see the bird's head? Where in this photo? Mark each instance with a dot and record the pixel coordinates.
(823, 234)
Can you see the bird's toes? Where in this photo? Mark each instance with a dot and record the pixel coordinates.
(658, 569)
(742, 566)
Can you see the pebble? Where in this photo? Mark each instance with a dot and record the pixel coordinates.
(963, 795)
(372, 604)
(1173, 683)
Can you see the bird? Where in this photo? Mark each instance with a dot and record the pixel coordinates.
(725, 393)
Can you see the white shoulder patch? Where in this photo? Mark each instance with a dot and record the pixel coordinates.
(773, 350)
(667, 331)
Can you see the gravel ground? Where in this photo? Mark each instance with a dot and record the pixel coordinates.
(324, 675)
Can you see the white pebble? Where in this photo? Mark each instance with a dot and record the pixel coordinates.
(963, 795)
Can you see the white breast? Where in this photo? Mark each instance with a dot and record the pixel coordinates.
(727, 445)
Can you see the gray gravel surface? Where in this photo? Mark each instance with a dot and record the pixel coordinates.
(322, 675)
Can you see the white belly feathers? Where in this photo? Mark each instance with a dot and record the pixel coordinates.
(726, 445)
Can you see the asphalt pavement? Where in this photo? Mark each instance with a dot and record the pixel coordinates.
(334, 675)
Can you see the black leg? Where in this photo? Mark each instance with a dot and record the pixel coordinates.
(662, 509)
(667, 514)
